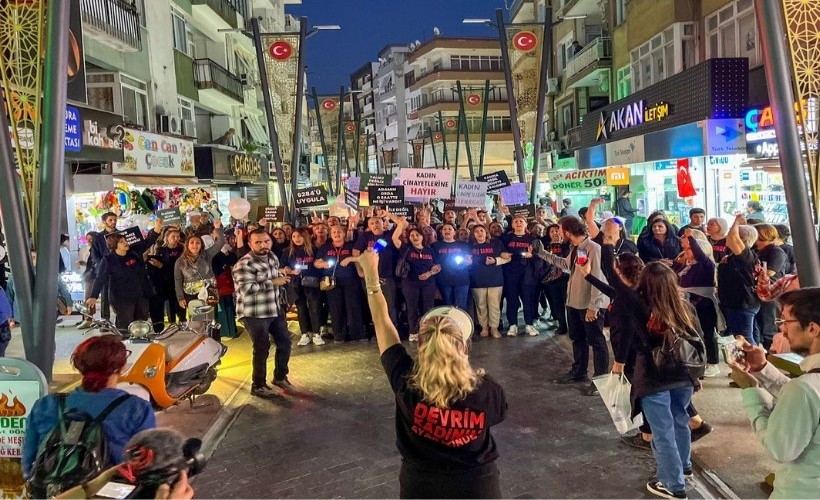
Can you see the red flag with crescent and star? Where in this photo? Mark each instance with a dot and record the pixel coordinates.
(685, 187)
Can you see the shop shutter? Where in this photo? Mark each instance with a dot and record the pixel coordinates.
(257, 196)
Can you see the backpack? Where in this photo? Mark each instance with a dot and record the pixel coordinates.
(74, 451)
(679, 353)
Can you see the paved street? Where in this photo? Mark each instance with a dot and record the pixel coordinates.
(338, 440)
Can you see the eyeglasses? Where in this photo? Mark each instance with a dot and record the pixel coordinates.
(780, 321)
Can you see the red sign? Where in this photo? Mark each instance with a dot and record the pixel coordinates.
(329, 104)
(349, 127)
(418, 147)
(280, 50)
(450, 123)
(525, 41)
(437, 136)
(473, 99)
(685, 187)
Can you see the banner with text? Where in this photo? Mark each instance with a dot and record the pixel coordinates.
(272, 214)
(421, 184)
(170, 216)
(154, 154)
(390, 196)
(573, 180)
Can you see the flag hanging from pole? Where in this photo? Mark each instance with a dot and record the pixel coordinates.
(524, 49)
(418, 152)
(329, 110)
(281, 52)
(350, 133)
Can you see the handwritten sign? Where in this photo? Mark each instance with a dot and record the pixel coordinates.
(169, 216)
(271, 214)
(495, 181)
(426, 183)
(132, 235)
(353, 183)
(311, 197)
(391, 196)
(471, 194)
(515, 194)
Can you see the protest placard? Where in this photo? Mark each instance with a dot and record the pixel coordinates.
(352, 198)
(390, 196)
(426, 183)
(272, 214)
(527, 211)
(353, 183)
(495, 181)
(515, 194)
(132, 235)
(405, 211)
(471, 194)
(169, 216)
(311, 197)
(368, 179)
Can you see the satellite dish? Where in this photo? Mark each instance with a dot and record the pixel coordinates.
(418, 43)
(436, 31)
(412, 46)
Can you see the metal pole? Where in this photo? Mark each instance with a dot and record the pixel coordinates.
(297, 129)
(433, 147)
(272, 135)
(445, 160)
(778, 79)
(340, 138)
(546, 64)
(505, 63)
(463, 113)
(357, 121)
(322, 141)
(52, 183)
(484, 126)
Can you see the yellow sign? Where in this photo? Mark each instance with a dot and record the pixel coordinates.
(617, 176)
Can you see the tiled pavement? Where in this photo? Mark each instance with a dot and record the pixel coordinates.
(337, 440)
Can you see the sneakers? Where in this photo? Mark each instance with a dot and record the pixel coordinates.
(85, 325)
(265, 392)
(317, 339)
(305, 340)
(414, 337)
(637, 441)
(513, 331)
(687, 473)
(658, 489)
(485, 332)
(531, 331)
(285, 385)
(711, 371)
(701, 431)
(495, 333)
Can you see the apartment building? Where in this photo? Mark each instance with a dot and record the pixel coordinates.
(363, 92)
(391, 111)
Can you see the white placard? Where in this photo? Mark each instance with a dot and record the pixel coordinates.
(471, 194)
(426, 183)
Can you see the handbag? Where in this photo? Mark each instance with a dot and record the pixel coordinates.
(328, 283)
(402, 266)
(208, 293)
(310, 281)
(679, 352)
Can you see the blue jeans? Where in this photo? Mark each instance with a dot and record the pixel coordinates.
(671, 438)
(742, 322)
(455, 295)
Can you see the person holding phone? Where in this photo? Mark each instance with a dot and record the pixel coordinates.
(304, 290)
(345, 299)
(454, 258)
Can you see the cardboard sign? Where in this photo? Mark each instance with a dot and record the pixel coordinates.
(515, 194)
(527, 211)
(422, 184)
(495, 181)
(404, 211)
(132, 235)
(391, 196)
(311, 197)
(352, 198)
(272, 214)
(369, 179)
(169, 216)
(471, 194)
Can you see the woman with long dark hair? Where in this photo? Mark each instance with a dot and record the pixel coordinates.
(304, 290)
(194, 277)
(100, 361)
(439, 461)
(555, 282)
(419, 286)
(487, 280)
(660, 244)
(455, 260)
(161, 271)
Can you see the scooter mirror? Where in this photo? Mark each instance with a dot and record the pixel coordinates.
(203, 310)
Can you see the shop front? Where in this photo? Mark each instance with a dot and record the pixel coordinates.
(233, 174)
(681, 140)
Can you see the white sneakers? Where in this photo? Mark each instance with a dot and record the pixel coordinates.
(528, 329)
(414, 337)
(306, 340)
(531, 331)
(513, 331)
(711, 371)
(317, 339)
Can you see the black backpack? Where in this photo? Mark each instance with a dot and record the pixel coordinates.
(74, 452)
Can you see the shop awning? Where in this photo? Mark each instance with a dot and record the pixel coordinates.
(151, 181)
(257, 131)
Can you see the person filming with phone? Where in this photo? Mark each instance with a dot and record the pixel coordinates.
(785, 413)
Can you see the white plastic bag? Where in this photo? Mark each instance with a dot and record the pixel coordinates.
(614, 390)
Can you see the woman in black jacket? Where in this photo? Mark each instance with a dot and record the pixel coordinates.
(660, 244)
(161, 272)
(123, 271)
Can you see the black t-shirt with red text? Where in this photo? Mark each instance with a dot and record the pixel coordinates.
(328, 251)
(455, 437)
(420, 262)
(485, 275)
(298, 256)
(452, 257)
(519, 266)
(387, 257)
(719, 249)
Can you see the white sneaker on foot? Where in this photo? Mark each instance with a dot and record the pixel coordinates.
(317, 339)
(531, 331)
(414, 337)
(711, 371)
(305, 340)
(513, 331)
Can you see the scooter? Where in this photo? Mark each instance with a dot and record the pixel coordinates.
(166, 367)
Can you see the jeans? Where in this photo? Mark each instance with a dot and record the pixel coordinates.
(419, 297)
(585, 334)
(487, 303)
(308, 303)
(261, 330)
(345, 303)
(514, 291)
(455, 295)
(741, 322)
(765, 328)
(707, 315)
(671, 438)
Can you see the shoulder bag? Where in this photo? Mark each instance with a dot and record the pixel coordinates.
(679, 352)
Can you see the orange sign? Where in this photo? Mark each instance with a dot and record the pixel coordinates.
(617, 176)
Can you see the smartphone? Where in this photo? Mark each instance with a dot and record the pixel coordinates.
(732, 352)
(458, 259)
(300, 267)
(582, 257)
(331, 262)
(380, 245)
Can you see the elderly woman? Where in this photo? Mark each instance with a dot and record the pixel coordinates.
(736, 280)
(716, 229)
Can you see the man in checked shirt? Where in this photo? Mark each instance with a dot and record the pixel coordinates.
(260, 305)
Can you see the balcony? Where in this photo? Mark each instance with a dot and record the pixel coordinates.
(522, 11)
(388, 93)
(226, 10)
(588, 8)
(209, 75)
(447, 73)
(591, 66)
(432, 104)
(114, 23)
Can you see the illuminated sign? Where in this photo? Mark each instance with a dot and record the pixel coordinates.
(631, 115)
(763, 118)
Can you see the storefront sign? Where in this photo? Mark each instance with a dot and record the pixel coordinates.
(495, 181)
(426, 183)
(158, 155)
(73, 130)
(16, 400)
(626, 151)
(665, 165)
(98, 137)
(630, 115)
(725, 137)
(390, 196)
(169, 216)
(578, 179)
(311, 197)
(271, 214)
(758, 119)
(471, 194)
(246, 168)
(617, 176)
(515, 194)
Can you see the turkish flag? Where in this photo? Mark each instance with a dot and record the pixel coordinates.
(685, 187)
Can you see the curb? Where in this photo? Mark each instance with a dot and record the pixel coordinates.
(226, 417)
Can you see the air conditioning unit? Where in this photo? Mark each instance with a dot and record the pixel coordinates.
(188, 128)
(168, 124)
(553, 86)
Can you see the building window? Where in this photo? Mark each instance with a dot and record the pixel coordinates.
(624, 82)
(101, 91)
(620, 11)
(134, 101)
(667, 53)
(475, 63)
(732, 32)
(183, 39)
(566, 119)
(120, 94)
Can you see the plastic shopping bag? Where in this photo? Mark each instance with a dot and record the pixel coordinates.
(614, 390)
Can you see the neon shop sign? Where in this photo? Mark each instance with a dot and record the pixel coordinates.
(631, 115)
(758, 119)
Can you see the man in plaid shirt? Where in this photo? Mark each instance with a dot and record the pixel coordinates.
(258, 293)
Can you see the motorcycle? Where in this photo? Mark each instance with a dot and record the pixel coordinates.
(167, 367)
